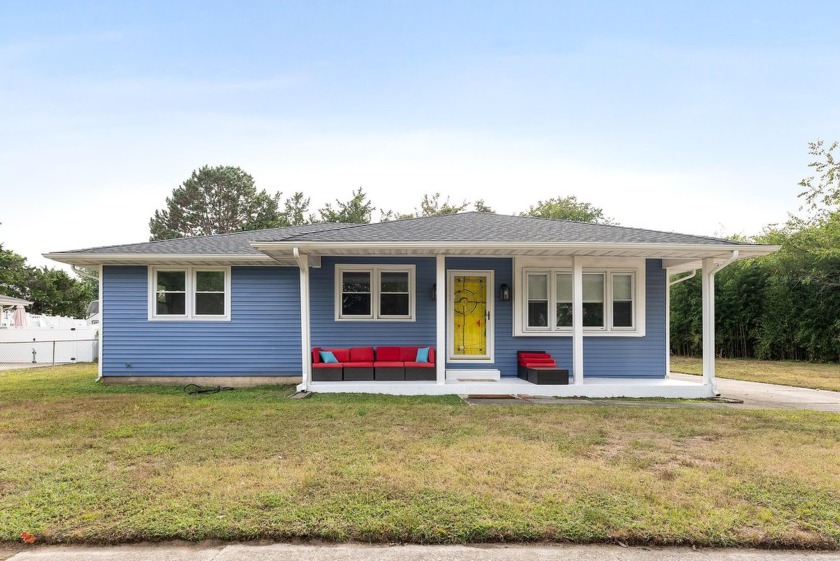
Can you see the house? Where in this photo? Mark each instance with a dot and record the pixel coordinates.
(249, 307)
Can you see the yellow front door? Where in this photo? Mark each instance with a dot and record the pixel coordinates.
(470, 316)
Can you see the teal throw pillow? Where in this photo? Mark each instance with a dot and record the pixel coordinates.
(328, 357)
(422, 354)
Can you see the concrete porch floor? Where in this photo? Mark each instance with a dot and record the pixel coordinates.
(592, 387)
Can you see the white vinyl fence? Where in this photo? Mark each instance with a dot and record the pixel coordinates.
(29, 346)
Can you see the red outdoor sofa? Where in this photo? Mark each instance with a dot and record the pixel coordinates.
(369, 363)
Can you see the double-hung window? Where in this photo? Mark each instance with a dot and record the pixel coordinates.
(623, 303)
(189, 293)
(609, 301)
(375, 292)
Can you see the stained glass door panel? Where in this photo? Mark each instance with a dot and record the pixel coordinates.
(469, 316)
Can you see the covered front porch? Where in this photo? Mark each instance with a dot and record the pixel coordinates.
(582, 351)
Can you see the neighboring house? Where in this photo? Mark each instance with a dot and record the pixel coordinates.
(477, 287)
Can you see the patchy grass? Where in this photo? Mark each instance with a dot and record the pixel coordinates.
(786, 373)
(83, 462)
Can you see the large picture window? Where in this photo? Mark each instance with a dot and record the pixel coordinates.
(375, 292)
(609, 301)
(189, 293)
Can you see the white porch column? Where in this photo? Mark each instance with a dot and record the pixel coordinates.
(305, 335)
(577, 320)
(709, 322)
(440, 318)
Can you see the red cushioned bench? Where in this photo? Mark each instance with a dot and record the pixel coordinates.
(354, 364)
(365, 363)
(400, 363)
(538, 367)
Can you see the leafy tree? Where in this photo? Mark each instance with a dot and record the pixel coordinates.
(295, 211)
(567, 208)
(51, 291)
(14, 274)
(357, 210)
(432, 206)
(54, 292)
(822, 192)
(215, 200)
(387, 216)
(785, 305)
(481, 206)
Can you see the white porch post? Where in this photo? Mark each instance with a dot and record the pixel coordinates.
(709, 322)
(305, 345)
(577, 320)
(667, 323)
(440, 318)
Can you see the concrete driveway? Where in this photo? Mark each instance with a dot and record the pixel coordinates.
(772, 396)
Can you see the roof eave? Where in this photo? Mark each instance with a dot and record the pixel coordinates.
(95, 259)
(677, 251)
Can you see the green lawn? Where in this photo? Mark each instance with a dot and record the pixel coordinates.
(82, 462)
(787, 373)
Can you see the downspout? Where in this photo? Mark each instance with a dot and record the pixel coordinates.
(84, 274)
(691, 275)
(725, 263)
(101, 332)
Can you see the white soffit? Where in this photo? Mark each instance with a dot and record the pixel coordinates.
(676, 253)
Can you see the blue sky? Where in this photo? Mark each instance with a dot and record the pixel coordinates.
(685, 116)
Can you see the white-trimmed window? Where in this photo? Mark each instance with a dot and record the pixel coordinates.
(623, 302)
(189, 293)
(374, 292)
(609, 301)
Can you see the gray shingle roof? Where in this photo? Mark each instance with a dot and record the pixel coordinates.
(464, 227)
(236, 243)
(481, 227)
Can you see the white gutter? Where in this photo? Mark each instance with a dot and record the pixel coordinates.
(435, 247)
(84, 259)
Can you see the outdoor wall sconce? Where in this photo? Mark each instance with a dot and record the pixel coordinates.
(504, 293)
(434, 292)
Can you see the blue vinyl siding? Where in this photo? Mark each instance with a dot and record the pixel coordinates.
(327, 332)
(633, 357)
(261, 339)
(263, 336)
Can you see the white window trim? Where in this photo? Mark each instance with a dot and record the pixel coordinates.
(520, 328)
(375, 292)
(190, 286)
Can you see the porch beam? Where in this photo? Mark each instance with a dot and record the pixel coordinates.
(577, 319)
(440, 319)
(708, 294)
(305, 335)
